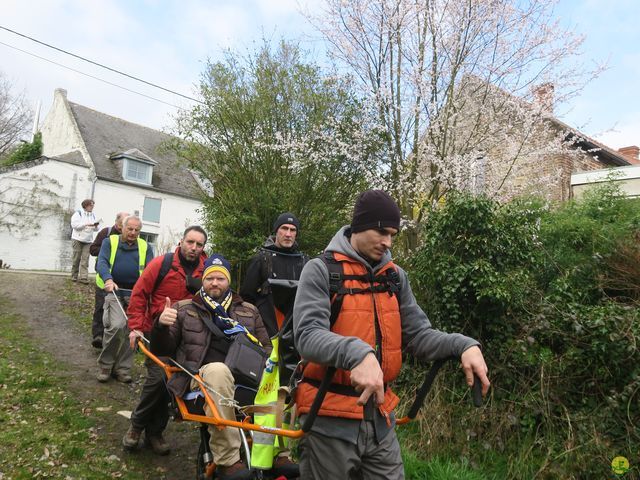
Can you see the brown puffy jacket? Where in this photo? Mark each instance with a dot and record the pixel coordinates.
(188, 340)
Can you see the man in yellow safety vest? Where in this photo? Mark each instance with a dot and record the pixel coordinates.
(120, 263)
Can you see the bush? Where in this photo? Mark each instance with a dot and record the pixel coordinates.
(581, 238)
(552, 295)
(25, 152)
(475, 266)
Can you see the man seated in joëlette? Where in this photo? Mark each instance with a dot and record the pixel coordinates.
(182, 333)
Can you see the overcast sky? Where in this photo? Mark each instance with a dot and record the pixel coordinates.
(167, 42)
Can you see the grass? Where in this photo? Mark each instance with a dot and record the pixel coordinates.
(460, 456)
(438, 469)
(78, 303)
(420, 465)
(44, 431)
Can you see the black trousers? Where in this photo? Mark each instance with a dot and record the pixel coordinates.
(97, 328)
(152, 412)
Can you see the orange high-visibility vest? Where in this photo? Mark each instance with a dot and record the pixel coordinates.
(358, 317)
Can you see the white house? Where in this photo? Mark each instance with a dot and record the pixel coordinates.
(87, 154)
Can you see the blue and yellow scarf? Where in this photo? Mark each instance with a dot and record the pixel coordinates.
(219, 312)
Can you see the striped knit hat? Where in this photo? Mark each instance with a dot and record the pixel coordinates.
(217, 263)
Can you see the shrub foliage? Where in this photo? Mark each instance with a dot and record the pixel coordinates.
(25, 152)
(553, 296)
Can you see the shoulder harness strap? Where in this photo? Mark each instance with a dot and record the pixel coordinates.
(266, 269)
(267, 261)
(389, 282)
(167, 260)
(336, 279)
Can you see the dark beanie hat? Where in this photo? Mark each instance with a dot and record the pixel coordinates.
(286, 217)
(375, 209)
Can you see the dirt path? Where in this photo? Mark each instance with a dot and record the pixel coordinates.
(38, 300)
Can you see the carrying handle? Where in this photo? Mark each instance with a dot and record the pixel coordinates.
(422, 392)
(477, 391)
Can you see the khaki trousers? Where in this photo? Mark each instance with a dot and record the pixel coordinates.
(80, 260)
(225, 443)
(116, 353)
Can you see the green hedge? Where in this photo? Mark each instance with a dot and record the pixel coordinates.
(543, 290)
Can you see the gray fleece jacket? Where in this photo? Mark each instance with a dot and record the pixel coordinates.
(315, 342)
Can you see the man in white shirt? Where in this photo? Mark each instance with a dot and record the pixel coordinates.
(83, 224)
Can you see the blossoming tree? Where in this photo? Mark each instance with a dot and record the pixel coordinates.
(454, 85)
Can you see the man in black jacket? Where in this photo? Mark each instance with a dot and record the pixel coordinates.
(97, 328)
(277, 260)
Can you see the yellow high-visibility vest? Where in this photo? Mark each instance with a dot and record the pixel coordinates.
(142, 256)
(265, 445)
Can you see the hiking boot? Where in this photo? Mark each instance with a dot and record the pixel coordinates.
(131, 438)
(283, 466)
(123, 377)
(104, 375)
(237, 471)
(97, 342)
(158, 444)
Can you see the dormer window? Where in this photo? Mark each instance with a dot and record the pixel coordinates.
(136, 171)
(136, 166)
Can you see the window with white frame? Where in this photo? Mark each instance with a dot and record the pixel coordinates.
(136, 171)
(151, 209)
(151, 239)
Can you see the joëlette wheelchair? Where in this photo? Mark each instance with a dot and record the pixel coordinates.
(191, 409)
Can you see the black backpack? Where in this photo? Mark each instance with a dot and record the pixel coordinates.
(389, 282)
(193, 284)
(167, 260)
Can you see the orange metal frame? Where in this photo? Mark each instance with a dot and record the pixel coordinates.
(215, 419)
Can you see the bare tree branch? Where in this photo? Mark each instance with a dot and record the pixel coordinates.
(453, 83)
(15, 118)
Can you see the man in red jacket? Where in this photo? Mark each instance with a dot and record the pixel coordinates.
(148, 299)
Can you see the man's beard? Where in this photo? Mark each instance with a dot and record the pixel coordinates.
(216, 295)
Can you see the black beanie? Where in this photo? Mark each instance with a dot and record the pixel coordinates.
(286, 217)
(375, 209)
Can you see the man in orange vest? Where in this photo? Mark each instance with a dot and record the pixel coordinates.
(363, 336)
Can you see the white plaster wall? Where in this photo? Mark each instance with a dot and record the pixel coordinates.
(627, 178)
(49, 247)
(59, 132)
(176, 213)
(629, 187)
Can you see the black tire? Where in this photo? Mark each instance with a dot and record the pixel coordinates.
(201, 466)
